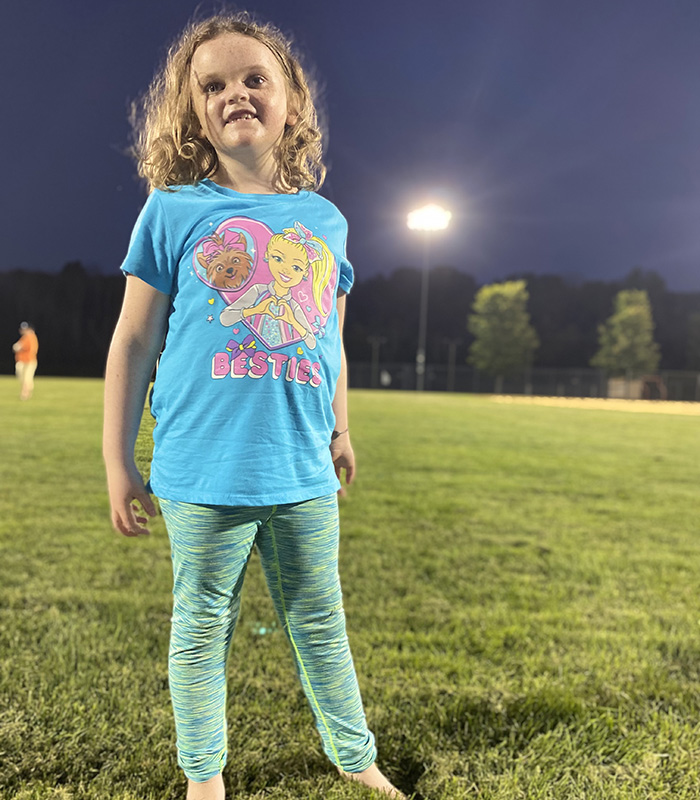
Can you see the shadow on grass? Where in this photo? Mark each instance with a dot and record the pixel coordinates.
(407, 774)
(477, 723)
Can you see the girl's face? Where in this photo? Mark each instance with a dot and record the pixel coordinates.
(240, 96)
(287, 262)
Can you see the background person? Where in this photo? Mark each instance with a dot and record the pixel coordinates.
(26, 349)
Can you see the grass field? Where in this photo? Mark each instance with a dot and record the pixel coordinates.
(522, 587)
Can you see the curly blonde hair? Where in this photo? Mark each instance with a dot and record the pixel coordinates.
(168, 147)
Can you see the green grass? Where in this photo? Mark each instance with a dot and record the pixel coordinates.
(521, 586)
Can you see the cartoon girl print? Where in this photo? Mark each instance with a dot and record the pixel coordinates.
(269, 309)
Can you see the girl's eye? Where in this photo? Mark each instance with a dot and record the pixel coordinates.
(255, 81)
(297, 268)
(277, 259)
(213, 87)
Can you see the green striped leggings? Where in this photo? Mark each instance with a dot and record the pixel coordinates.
(298, 547)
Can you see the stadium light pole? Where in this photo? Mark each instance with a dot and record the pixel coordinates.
(427, 219)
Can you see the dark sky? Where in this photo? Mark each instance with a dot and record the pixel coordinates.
(563, 135)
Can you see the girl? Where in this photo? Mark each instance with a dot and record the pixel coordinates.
(249, 445)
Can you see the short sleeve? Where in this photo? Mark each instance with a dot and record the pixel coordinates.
(150, 255)
(346, 274)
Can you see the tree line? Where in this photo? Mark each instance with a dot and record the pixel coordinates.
(75, 311)
(505, 340)
(565, 317)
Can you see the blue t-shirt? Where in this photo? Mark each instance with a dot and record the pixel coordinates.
(243, 392)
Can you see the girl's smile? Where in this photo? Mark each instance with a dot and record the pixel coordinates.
(237, 116)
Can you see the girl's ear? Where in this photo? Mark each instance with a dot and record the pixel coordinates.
(292, 106)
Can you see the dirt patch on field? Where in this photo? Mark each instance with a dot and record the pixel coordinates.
(605, 404)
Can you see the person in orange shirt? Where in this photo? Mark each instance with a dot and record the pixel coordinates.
(26, 348)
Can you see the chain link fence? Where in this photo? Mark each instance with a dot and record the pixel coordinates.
(667, 385)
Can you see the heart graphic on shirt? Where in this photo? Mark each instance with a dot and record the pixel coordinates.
(278, 310)
(274, 324)
(300, 351)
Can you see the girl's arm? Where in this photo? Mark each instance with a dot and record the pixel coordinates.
(136, 344)
(235, 312)
(341, 448)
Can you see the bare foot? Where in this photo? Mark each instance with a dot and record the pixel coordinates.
(373, 779)
(213, 789)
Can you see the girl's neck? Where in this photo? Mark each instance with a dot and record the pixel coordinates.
(280, 290)
(256, 178)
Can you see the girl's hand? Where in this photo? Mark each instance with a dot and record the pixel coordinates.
(263, 307)
(126, 486)
(137, 341)
(286, 314)
(343, 459)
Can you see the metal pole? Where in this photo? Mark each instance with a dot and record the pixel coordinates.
(451, 363)
(423, 319)
(375, 361)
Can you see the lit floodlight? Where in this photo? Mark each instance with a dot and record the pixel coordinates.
(429, 218)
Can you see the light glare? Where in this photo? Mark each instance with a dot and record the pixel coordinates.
(429, 218)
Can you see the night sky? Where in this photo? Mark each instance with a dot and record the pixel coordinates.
(564, 136)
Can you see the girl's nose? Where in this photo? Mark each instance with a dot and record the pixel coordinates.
(238, 92)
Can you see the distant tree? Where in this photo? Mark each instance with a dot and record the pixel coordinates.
(647, 280)
(566, 317)
(692, 355)
(386, 306)
(504, 339)
(627, 345)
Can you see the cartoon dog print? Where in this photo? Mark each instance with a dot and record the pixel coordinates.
(225, 259)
